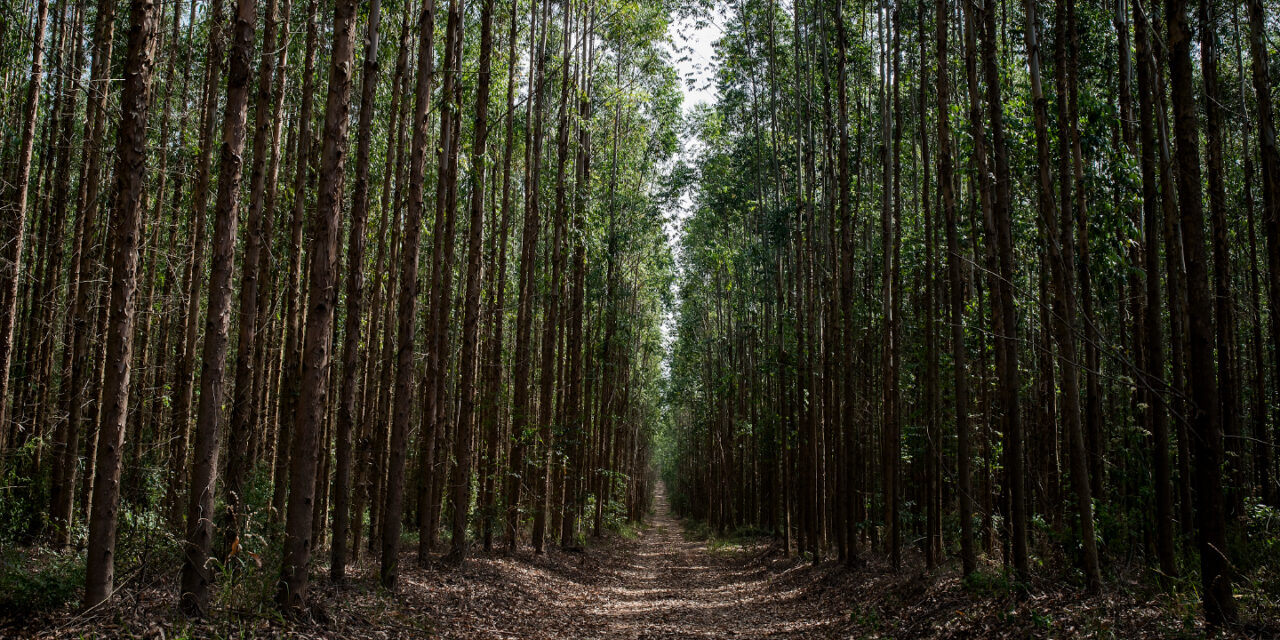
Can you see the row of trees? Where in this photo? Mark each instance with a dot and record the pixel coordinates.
(990, 275)
(368, 358)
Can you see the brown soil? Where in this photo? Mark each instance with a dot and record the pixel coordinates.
(661, 584)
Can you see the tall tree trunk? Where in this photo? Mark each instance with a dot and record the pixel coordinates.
(131, 154)
(431, 447)
(266, 364)
(16, 225)
(493, 383)
(244, 406)
(76, 393)
(1269, 153)
(292, 359)
(460, 495)
(551, 313)
(355, 299)
(1059, 241)
(848, 322)
(196, 574)
(522, 412)
(374, 434)
(1224, 307)
(189, 309)
(575, 426)
(394, 494)
(1004, 305)
(1156, 414)
(317, 346)
(1263, 441)
(1206, 419)
(956, 297)
(57, 187)
(65, 446)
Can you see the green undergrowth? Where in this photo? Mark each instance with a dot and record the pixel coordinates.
(729, 542)
(39, 581)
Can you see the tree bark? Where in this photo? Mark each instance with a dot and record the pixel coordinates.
(394, 494)
(460, 495)
(1157, 413)
(196, 574)
(1206, 419)
(295, 300)
(318, 343)
(189, 307)
(1269, 154)
(347, 409)
(244, 406)
(16, 226)
(131, 154)
(1060, 243)
(493, 382)
(1003, 306)
(522, 418)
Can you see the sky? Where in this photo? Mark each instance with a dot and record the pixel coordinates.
(694, 57)
(693, 53)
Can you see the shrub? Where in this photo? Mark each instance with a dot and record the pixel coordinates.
(39, 582)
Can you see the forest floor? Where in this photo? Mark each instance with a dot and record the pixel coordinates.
(658, 582)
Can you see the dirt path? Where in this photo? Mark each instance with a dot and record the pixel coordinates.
(673, 587)
(659, 585)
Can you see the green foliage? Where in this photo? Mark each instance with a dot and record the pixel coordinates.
(866, 617)
(34, 582)
(989, 584)
(24, 497)
(247, 574)
(1255, 554)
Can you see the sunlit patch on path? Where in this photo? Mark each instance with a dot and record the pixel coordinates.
(675, 588)
(659, 585)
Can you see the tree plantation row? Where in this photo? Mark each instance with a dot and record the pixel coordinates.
(293, 279)
(989, 279)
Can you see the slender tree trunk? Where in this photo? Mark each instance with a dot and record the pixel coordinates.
(431, 442)
(1269, 154)
(196, 574)
(66, 437)
(956, 297)
(355, 296)
(16, 225)
(57, 189)
(189, 309)
(318, 344)
(1206, 419)
(551, 312)
(76, 394)
(494, 374)
(848, 324)
(244, 407)
(1060, 243)
(295, 300)
(460, 496)
(522, 412)
(575, 426)
(1263, 441)
(1004, 305)
(266, 364)
(374, 435)
(394, 494)
(1156, 415)
(131, 154)
(1224, 312)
